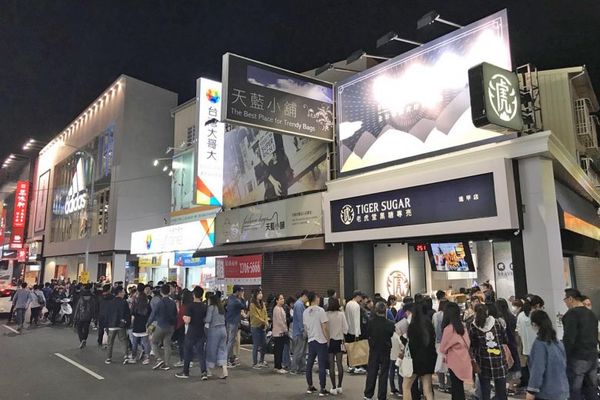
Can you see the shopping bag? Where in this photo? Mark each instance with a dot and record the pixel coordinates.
(406, 367)
(440, 365)
(508, 355)
(358, 353)
(105, 338)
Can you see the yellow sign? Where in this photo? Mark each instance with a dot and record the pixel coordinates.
(149, 261)
(84, 277)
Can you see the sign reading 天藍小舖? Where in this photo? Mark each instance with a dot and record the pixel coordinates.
(266, 97)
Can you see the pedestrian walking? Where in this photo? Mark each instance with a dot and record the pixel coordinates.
(338, 328)
(379, 331)
(216, 337)
(118, 319)
(21, 300)
(487, 340)
(437, 321)
(84, 313)
(165, 315)
(280, 332)
(258, 325)
(299, 343)
(103, 303)
(421, 345)
(455, 345)
(195, 337)
(317, 331)
(547, 362)
(140, 312)
(186, 298)
(233, 316)
(580, 340)
(37, 302)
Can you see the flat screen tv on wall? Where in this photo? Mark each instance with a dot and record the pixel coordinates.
(450, 257)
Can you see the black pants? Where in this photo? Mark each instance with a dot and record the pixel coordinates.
(458, 387)
(279, 342)
(194, 345)
(35, 315)
(378, 368)
(101, 329)
(83, 330)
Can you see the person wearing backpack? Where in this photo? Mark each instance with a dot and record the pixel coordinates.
(84, 313)
(165, 315)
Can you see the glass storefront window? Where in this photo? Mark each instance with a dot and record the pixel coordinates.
(182, 185)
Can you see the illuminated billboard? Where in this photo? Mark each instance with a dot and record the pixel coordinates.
(418, 103)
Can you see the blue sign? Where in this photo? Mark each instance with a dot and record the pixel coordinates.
(453, 200)
(186, 259)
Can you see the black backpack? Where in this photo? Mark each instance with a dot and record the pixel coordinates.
(84, 309)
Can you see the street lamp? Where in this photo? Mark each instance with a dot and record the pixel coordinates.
(33, 144)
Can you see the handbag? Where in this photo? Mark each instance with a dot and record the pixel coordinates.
(440, 365)
(474, 364)
(358, 353)
(508, 355)
(406, 366)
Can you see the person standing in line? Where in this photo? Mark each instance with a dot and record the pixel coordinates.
(395, 353)
(317, 330)
(580, 340)
(233, 316)
(186, 298)
(526, 331)
(548, 362)
(280, 332)
(487, 337)
(165, 316)
(216, 342)
(37, 301)
(118, 319)
(455, 347)
(103, 304)
(84, 313)
(437, 320)
(511, 328)
(195, 338)
(338, 328)
(299, 343)
(286, 359)
(379, 331)
(353, 317)
(259, 321)
(421, 345)
(392, 312)
(140, 310)
(21, 301)
(331, 293)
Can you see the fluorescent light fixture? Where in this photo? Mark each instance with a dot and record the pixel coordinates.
(392, 36)
(155, 163)
(433, 16)
(165, 168)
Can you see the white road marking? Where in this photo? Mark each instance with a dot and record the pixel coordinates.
(11, 329)
(81, 367)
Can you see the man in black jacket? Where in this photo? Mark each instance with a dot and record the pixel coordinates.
(580, 339)
(103, 299)
(380, 331)
(118, 319)
(85, 310)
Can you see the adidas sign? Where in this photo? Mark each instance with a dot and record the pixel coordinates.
(77, 195)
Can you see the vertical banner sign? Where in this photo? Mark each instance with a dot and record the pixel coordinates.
(2, 224)
(19, 215)
(23, 254)
(209, 176)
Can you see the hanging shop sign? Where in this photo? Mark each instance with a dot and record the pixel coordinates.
(418, 103)
(41, 202)
(148, 261)
(23, 254)
(240, 270)
(262, 165)
(209, 166)
(454, 200)
(293, 217)
(8, 254)
(495, 98)
(17, 237)
(187, 259)
(183, 237)
(266, 97)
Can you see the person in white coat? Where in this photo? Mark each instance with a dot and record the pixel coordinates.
(353, 319)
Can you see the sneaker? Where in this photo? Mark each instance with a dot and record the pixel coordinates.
(178, 364)
(82, 344)
(231, 365)
(324, 392)
(351, 370)
(339, 390)
(182, 376)
(204, 376)
(281, 371)
(165, 368)
(333, 391)
(107, 361)
(257, 366)
(159, 364)
(360, 371)
(311, 390)
(146, 361)
(131, 361)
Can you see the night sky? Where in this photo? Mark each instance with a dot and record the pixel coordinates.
(57, 56)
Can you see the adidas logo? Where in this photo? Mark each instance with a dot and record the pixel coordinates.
(77, 194)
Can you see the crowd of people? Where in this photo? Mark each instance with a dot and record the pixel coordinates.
(495, 346)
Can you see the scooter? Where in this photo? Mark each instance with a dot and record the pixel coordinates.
(66, 311)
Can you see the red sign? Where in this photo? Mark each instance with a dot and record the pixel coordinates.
(2, 225)
(23, 254)
(17, 237)
(420, 247)
(242, 270)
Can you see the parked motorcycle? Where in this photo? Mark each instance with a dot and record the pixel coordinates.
(65, 312)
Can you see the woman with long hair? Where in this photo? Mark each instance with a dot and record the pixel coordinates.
(338, 328)
(547, 362)
(455, 347)
(487, 337)
(259, 322)
(280, 332)
(511, 326)
(139, 335)
(526, 332)
(216, 336)
(421, 344)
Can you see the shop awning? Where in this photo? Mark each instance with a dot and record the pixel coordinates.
(273, 246)
(576, 214)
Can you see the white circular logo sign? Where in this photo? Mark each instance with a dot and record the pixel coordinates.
(347, 214)
(503, 97)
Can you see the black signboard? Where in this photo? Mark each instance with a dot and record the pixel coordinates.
(454, 200)
(9, 254)
(274, 99)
